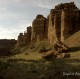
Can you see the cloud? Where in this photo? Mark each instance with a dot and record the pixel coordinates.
(12, 33)
(16, 15)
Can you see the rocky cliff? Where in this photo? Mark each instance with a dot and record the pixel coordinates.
(64, 20)
(24, 39)
(61, 23)
(39, 28)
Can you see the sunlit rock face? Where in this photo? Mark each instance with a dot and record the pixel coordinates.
(61, 23)
(39, 28)
(64, 20)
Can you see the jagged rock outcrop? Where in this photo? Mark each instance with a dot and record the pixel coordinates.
(24, 39)
(54, 25)
(64, 20)
(39, 28)
(20, 40)
(61, 23)
(37, 32)
(27, 36)
(70, 23)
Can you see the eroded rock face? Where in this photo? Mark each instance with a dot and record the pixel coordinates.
(64, 20)
(28, 35)
(39, 28)
(61, 23)
(24, 39)
(70, 23)
(20, 40)
(54, 26)
(62, 6)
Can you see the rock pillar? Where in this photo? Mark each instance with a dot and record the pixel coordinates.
(66, 25)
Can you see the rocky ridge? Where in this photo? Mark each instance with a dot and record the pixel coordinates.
(62, 22)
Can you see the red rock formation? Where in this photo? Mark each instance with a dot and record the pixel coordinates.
(20, 40)
(62, 6)
(39, 28)
(54, 26)
(24, 39)
(27, 35)
(70, 23)
(64, 20)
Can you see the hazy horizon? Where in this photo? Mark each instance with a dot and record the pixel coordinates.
(16, 15)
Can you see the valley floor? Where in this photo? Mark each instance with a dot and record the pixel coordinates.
(32, 66)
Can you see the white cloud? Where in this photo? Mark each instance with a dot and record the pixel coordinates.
(11, 33)
(16, 15)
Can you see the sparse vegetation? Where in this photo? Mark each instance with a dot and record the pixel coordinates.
(38, 69)
(32, 66)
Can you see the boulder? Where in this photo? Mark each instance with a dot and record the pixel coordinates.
(49, 55)
(59, 50)
(63, 55)
(62, 47)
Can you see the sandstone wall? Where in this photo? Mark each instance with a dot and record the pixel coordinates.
(20, 40)
(70, 23)
(28, 35)
(62, 6)
(66, 27)
(24, 39)
(64, 20)
(54, 26)
(51, 31)
(39, 28)
(57, 26)
(61, 23)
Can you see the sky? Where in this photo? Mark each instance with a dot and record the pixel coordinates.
(17, 15)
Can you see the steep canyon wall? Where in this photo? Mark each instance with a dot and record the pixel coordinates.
(61, 23)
